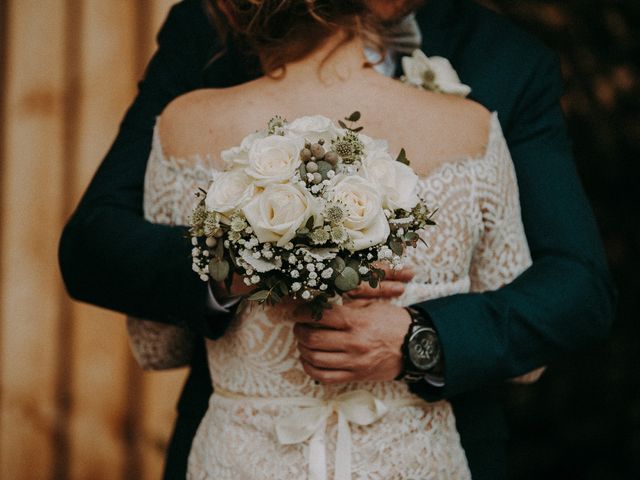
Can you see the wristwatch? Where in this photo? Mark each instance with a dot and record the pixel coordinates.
(421, 349)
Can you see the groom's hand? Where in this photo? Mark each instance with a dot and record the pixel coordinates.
(358, 341)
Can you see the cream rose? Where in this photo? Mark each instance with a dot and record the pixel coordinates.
(273, 159)
(396, 181)
(239, 156)
(277, 212)
(230, 191)
(433, 73)
(313, 128)
(365, 221)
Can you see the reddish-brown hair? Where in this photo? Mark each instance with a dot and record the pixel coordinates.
(283, 31)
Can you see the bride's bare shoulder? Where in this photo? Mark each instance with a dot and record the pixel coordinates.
(187, 126)
(453, 126)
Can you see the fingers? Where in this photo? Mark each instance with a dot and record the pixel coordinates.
(403, 275)
(326, 360)
(386, 289)
(323, 339)
(327, 376)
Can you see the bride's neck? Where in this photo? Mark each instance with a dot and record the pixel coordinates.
(337, 59)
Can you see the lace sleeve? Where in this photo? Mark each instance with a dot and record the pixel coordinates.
(502, 252)
(169, 196)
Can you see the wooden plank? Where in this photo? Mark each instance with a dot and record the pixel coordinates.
(32, 210)
(102, 391)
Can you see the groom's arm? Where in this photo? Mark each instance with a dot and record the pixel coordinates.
(565, 300)
(109, 255)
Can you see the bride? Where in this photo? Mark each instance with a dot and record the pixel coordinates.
(269, 417)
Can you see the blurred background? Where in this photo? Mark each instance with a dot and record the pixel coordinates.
(73, 403)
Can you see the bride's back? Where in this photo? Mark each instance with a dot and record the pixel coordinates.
(331, 80)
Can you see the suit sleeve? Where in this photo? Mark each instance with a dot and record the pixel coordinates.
(565, 300)
(109, 255)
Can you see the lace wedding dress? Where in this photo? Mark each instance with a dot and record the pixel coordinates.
(268, 419)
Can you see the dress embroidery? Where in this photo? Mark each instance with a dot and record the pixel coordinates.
(479, 244)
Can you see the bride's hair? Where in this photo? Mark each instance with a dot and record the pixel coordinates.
(283, 31)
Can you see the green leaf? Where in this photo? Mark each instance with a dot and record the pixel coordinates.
(338, 265)
(259, 296)
(354, 117)
(347, 279)
(396, 245)
(373, 282)
(402, 157)
(218, 269)
(358, 129)
(309, 223)
(342, 124)
(411, 238)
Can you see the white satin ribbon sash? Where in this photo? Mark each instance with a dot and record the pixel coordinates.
(309, 423)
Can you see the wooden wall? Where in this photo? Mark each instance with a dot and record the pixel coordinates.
(73, 403)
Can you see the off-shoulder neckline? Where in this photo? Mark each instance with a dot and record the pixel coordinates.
(494, 134)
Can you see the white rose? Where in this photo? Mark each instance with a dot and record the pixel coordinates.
(229, 191)
(397, 182)
(238, 156)
(277, 212)
(273, 159)
(365, 221)
(313, 128)
(373, 145)
(445, 78)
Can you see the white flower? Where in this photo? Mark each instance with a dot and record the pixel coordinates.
(433, 73)
(228, 192)
(397, 182)
(313, 128)
(327, 273)
(258, 264)
(295, 286)
(277, 212)
(364, 221)
(239, 156)
(306, 294)
(273, 159)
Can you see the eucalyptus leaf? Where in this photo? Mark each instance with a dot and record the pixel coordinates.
(338, 264)
(218, 269)
(397, 246)
(259, 296)
(347, 279)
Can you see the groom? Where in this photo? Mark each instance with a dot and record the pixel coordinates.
(563, 302)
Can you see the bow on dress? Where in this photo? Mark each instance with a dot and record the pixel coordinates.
(310, 423)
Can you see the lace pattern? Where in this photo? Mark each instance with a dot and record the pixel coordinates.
(169, 188)
(479, 244)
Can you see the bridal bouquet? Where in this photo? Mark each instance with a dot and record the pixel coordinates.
(307, 210)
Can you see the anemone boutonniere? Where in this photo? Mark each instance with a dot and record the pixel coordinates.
(432, 73)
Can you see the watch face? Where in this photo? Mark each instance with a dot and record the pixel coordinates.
(424, 348)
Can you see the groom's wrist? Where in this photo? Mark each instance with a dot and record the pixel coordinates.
(421, 351)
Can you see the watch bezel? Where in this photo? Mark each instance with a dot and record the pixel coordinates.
(425, 362)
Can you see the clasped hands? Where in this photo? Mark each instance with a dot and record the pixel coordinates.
(358, 341)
